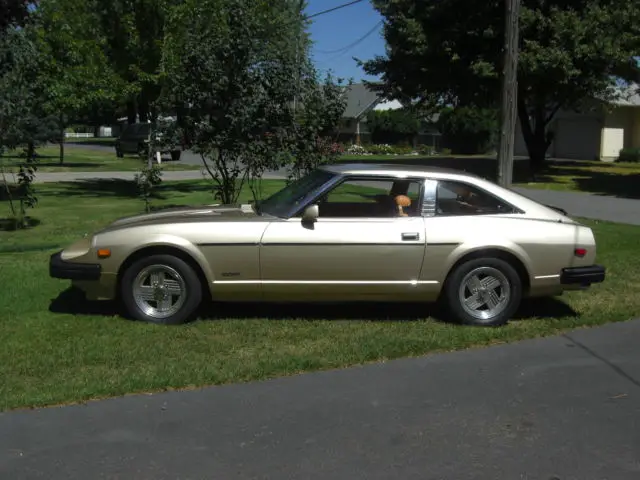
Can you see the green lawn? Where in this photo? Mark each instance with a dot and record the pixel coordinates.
(78, 159)
(620, 179)
(110, 141)
(58, 349)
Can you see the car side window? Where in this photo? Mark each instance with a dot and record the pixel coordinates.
(458, 198)
(371, 198)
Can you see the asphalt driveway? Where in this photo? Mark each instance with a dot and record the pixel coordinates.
(563, 408)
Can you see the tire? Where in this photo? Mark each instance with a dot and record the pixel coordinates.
(143, 151)
(508, 290)
(175, 275)
(175, 155)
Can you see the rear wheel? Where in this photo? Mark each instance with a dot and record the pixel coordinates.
(161, 289)
(483, 291)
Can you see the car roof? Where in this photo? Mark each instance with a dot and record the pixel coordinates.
(395, 169)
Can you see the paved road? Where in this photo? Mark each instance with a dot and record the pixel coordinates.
(598, 207)
(576, 204)
(564, 408)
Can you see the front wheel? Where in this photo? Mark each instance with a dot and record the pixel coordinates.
(484, 292)
(161, 289)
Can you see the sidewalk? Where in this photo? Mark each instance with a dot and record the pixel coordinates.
(597, 207)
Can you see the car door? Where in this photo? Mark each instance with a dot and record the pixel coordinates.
(358, 248)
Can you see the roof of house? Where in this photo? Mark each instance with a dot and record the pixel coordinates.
(360, 100)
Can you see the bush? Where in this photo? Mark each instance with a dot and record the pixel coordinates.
(355, 150)
(469, 130)
(426, 150)
(629, 155)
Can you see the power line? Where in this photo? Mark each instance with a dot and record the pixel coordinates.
(333, 9)
(353, 44)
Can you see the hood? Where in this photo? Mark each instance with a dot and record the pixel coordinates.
(188, 214)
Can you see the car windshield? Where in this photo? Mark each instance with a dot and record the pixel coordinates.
(290, 196)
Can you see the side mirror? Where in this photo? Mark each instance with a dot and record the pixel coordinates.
(310, 214)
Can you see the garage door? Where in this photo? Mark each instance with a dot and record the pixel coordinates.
(577, 139)
(612, 142)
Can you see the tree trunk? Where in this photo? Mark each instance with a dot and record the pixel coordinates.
(131, 112)
(535, 136)
(61, 155)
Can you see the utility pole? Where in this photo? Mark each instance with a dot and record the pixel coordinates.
(509, 94)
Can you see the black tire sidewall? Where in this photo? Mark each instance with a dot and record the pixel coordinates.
(193, 284)
(455, 278)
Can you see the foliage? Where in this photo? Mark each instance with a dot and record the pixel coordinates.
(164, 136)
(469, 130)
(393, 126)
(571, 52)
(631, 155)
(147, 180)
(237, 74)
(322, 106)
(18, 109)
(74, 69)
(13, 13)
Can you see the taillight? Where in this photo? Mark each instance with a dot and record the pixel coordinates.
(580, 252)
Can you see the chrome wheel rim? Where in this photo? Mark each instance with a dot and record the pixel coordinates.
(159, 291)
(484, 293)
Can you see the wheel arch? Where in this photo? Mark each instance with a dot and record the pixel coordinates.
(495, 252)
(173, 250)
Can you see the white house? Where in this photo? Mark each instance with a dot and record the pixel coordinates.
(599, 132)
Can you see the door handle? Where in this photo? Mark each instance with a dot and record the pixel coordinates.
(411, 236)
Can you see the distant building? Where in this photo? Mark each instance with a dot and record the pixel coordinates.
(598, 132)
(360, 101)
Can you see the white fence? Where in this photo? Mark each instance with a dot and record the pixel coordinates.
(78, 135)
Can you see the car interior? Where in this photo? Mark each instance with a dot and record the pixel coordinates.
(372, 199)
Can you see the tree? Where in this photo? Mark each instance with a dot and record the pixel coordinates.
(571, 51)
(469, 130)
(134, 32)
(18, 107)
(74, 70)
(232, 69)
(393, 126)
(14, 13)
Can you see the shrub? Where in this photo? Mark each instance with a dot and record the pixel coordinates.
(629, 155)
(469, 130)
(426, 150)
(355, 150)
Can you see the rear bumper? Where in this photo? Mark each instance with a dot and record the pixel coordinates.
(582, 275)
(59, 268)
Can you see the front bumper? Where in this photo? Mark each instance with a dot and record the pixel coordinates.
(582, 275)
(59, 268)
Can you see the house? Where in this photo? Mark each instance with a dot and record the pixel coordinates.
(598, 132)
(360, 101)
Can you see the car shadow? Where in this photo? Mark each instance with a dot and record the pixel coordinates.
(72, 301)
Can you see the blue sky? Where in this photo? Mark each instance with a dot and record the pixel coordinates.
(334, 31)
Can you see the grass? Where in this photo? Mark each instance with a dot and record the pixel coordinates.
(88, 160)
(616, 179)
(56, 348)
(107, 141)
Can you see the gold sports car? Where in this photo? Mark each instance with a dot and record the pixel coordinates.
(350, 232)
